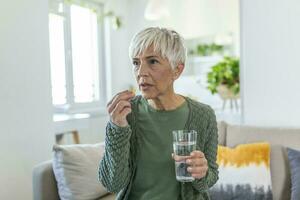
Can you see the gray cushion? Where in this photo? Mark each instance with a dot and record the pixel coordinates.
(294, 159)
(76, 171)
(278, 138)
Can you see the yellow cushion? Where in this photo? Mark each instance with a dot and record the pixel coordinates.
(244, 172)
(244, 154)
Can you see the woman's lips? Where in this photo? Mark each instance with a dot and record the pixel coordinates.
(145, 86)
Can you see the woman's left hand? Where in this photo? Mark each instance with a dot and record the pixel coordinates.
(197, 164)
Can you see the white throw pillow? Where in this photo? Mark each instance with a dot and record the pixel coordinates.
(76, 171)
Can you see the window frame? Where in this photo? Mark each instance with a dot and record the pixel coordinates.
(71, 107)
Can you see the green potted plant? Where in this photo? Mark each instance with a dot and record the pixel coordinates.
(224, 78)
(209, 49)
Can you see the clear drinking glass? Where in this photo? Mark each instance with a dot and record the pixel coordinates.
(184, 142)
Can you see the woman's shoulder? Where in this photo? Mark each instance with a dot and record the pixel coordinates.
(200, 107)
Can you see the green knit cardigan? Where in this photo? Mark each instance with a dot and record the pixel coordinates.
(118, 165)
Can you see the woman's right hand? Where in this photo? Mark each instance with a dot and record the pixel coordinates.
(119, 107)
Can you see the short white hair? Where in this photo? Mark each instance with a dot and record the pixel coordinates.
(166, 42)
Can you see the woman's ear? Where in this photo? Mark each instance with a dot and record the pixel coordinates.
(178, 70)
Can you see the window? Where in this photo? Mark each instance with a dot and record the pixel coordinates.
(76, 59)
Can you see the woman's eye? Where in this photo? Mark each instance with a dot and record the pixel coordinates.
(153, 61)
(135, 63)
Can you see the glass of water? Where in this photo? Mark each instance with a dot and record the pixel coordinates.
(184, 142)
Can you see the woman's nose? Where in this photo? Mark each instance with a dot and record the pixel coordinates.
(143, 70)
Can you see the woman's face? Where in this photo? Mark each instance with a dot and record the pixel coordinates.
(153, 74)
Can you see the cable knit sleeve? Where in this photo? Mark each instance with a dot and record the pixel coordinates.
(210, 151)
(114, 169)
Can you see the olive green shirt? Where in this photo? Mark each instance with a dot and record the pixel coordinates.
(155, 177)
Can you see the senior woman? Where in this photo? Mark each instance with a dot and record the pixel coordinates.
(138, 163)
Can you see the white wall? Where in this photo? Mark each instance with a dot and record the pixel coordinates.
(25, 96)
(270, 62)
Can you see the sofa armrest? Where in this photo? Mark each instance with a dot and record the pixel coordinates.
(44, 183)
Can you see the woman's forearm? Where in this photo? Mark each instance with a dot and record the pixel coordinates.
(114, 169)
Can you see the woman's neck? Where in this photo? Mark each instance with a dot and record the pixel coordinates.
(170, 102)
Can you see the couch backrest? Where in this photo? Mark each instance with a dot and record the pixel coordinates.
(43, 182)
(279, 138)
(222, 133)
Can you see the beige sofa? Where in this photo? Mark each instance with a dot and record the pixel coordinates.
(44, 183)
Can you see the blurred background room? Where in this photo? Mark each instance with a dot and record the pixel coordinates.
(62, 60)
